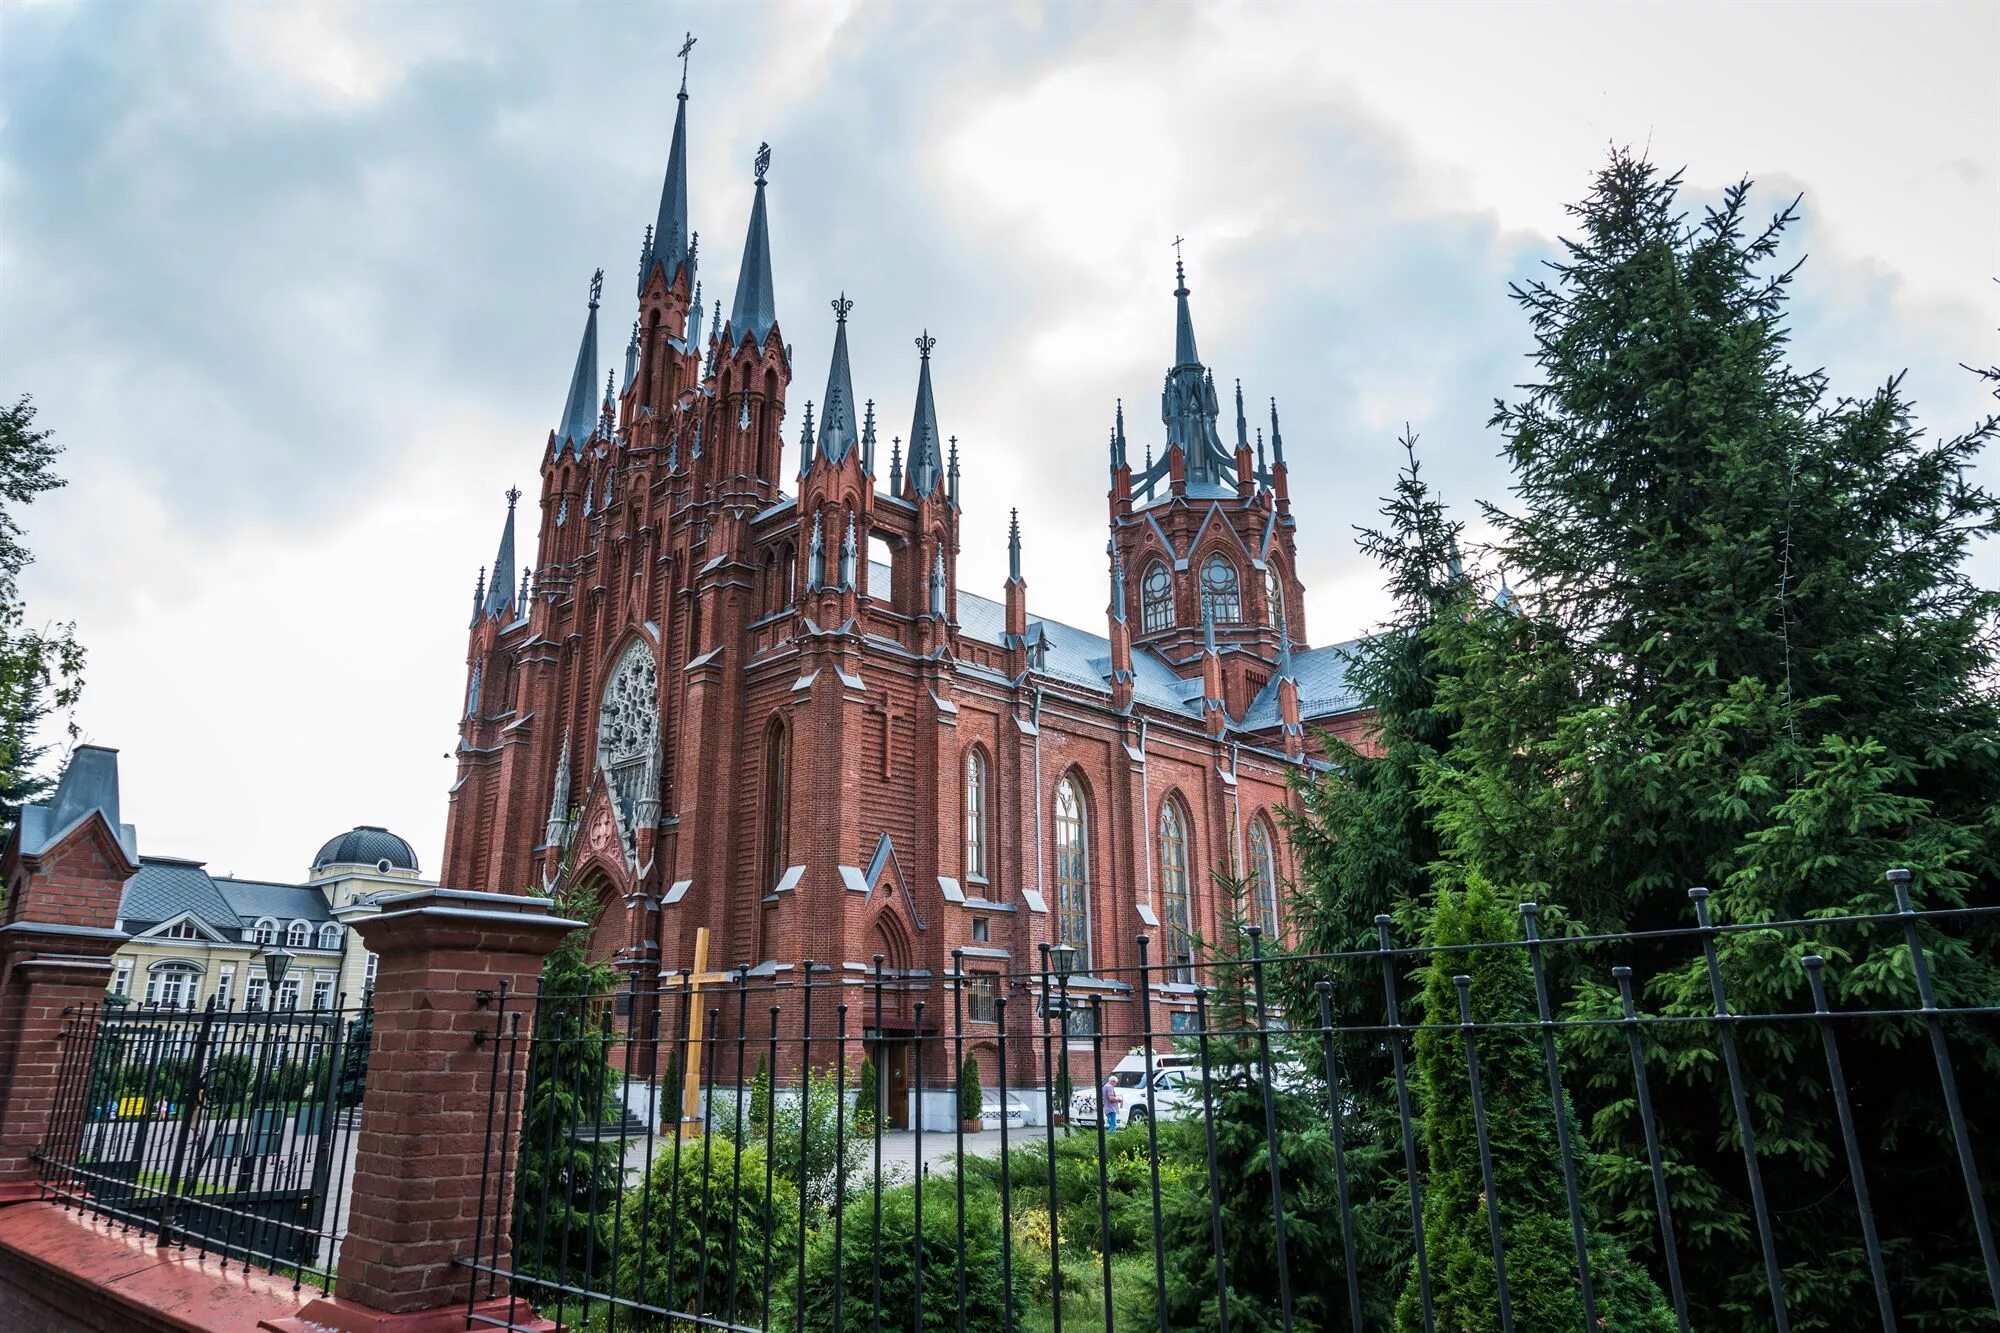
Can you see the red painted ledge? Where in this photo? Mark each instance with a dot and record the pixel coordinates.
(160, 1289)
(333, 1315)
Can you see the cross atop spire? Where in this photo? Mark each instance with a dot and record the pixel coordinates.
(687, 47)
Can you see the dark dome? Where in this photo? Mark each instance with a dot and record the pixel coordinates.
(366, 845)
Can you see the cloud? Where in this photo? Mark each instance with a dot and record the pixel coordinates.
(299, 289)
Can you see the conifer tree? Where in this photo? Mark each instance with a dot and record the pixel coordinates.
(39, 669)
(1748, 656)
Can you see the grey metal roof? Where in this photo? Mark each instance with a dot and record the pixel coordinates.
(251, 899)
(89, 785)
(165, 887)
(1324, 689)
(1081, 658)
(366, 845)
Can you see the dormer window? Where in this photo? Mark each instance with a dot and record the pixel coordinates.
(299, 936)
(266, 931)
(329, 936)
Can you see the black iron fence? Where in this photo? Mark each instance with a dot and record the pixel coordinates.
(1768, 1125)
(230, 1132)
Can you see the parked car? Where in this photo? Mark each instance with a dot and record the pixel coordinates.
(1176, 1089)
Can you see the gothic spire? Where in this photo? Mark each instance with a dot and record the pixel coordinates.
(1013, 546)
(926, 460)
(631, 359)
(868, 440)
(1242, 435)
(837, 433)
(500, 591)
(1277, 440)
(895, 464)
(479, 595)
(579, 418)
(951, 473)
(670, 231)
(755, 313)
(1118, 437)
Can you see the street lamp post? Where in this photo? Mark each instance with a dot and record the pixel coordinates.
(277, 962)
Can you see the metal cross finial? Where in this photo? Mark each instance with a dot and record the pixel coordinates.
(513, 495)
(1179, 273)
(840, 308)
(686, 47)
(763, 161)
(925, 343)
(596, 288)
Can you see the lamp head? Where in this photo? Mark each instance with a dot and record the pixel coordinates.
(277, 962)
(1064, 958)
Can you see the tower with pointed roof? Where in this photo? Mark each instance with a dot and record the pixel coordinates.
(741, 690)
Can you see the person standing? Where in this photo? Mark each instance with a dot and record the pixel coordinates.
(1107, 1097)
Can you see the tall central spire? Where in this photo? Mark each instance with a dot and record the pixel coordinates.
(838, 433)
(579, 418)
(670, 229)
(1184, 352)
(755, 312)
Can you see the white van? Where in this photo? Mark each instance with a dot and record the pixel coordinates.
(1176, 1089)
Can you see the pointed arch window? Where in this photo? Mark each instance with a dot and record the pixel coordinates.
(977, 799)
(1156, 598)
(1221, 592)
(1274, 598)
(1176, 902)
(1073, 872)
(1263, 879)
(777, 787)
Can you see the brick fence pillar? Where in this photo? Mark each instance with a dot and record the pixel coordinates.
(421, 1149)
(65, 866)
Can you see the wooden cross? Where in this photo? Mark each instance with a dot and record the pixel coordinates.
(695, 981)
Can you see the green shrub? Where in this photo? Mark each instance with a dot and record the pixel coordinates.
(971, 1101)
(681, 1228)
(985, 1308)
(805, 1148)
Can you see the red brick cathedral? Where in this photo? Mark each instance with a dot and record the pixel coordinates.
(746, 691)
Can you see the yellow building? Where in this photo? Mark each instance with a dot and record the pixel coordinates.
(197, 936)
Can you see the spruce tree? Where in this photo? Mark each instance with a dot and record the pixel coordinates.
(1748, 656)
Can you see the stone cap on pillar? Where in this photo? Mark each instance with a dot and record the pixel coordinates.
(428, 918)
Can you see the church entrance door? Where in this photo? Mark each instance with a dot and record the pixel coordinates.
(896, 1080)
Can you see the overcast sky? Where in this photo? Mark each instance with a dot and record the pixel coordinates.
(299, 290)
